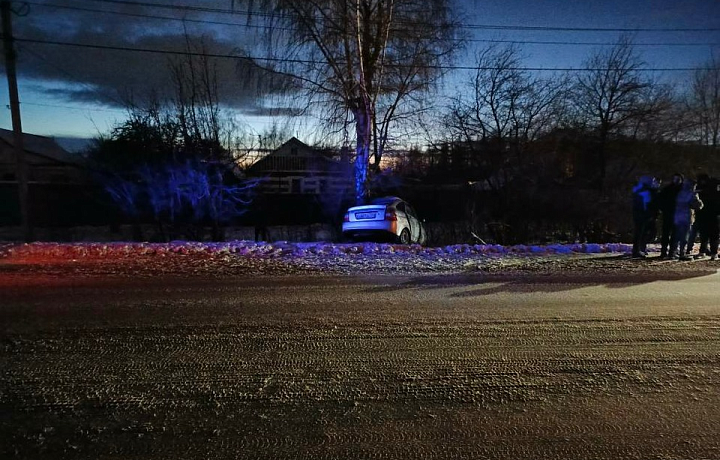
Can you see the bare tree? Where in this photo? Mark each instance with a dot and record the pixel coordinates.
(608, 94)
(174, 159)
(657, 115)
(705, 103)
(193, 191)
(505, 107)
(196, 104)
(364, 59)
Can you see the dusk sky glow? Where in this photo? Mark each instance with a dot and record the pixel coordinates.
(71, 90)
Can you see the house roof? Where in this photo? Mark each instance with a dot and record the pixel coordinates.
(40, 145)
(296, 147)
(300, 157)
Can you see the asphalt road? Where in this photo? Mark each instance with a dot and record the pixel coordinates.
(473, 366)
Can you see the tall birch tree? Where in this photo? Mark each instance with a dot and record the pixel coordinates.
(360, 61)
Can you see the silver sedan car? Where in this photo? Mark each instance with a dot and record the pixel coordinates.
(388, 218)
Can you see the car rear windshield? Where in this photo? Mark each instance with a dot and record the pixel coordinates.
(382, 201)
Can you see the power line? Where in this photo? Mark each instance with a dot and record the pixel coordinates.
(255, 26)
(590, 29)
(199, 9)
(151, 50)
(302, 61)
(147, 16)
(550, 42)
(468, 26)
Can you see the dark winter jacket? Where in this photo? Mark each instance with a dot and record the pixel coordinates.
(666, 199)
(711, 197)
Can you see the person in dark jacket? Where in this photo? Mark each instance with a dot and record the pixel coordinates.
(711, 199)
(644, 212)
(700, 225)
(666, 203)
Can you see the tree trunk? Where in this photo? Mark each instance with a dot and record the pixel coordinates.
(363, 118)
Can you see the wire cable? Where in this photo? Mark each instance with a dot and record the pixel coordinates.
(469, 26)
(257, 26)
(302, 61)
(148, 16)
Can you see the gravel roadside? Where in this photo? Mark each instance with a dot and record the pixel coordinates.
(246, 258)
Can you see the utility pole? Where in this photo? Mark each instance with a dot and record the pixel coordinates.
(20, 164)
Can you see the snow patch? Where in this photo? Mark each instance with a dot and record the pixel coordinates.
(285, 250)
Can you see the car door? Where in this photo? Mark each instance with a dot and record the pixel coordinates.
(414, 223)
(402, 218)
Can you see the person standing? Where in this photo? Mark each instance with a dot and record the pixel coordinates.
(686, 204)
(711, 200)
(643, 212)
(700, 225)
(666, 203)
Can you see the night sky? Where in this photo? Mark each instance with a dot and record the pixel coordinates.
(81, 91)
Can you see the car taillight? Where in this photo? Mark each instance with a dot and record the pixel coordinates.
(390, 215)
(346, 218)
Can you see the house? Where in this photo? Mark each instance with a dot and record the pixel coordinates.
(60, 189)
(295, 168)
(47, 162)
(299, 185)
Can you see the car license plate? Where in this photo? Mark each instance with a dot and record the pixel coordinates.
(364, 215)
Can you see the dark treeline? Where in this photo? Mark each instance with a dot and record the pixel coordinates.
(553, 195)
(524, 158)
(515, 157)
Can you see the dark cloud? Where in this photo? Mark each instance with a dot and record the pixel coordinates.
(113, 76)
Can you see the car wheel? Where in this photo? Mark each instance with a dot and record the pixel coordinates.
(404, 237)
